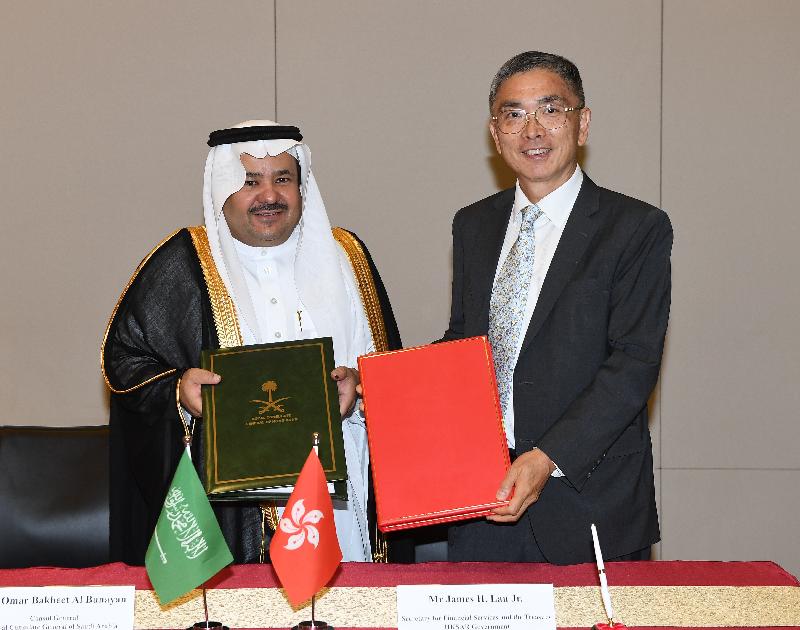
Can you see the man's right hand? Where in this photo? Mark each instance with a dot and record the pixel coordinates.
(526, 478)
(189, 390)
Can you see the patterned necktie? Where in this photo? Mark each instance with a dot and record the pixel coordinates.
(507, 306)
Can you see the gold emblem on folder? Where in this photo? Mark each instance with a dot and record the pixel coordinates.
(270, 405)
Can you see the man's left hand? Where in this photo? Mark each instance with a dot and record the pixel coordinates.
(346, 380)
(526, 478)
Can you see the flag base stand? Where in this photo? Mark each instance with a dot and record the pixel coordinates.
(207, 625)
(303, 625)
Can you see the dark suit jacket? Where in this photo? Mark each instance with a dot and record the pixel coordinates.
(589, 361)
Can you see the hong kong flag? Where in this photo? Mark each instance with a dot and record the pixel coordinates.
(304, 550)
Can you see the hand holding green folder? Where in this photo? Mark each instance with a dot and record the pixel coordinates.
(260, 419)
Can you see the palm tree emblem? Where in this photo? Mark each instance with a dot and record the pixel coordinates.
(301, 526)
(270, 405)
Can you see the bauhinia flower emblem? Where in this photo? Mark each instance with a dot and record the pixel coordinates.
(300, 526)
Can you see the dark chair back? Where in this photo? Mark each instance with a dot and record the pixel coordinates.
(53, 496)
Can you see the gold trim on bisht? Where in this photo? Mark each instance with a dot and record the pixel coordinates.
(366, 287)
(222, 307)
(111, 319)
(372, 309)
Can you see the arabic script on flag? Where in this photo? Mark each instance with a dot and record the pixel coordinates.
(184, 525)
(187, 547)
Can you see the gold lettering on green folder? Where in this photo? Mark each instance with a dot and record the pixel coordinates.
(254, 442)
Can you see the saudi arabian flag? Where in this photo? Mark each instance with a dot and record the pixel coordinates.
(187, 547)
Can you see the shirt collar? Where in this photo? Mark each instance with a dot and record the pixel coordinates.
(557, 205)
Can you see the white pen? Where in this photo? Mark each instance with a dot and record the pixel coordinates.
(601, 571)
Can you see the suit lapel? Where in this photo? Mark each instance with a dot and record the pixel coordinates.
(577, 234)
(493, 233)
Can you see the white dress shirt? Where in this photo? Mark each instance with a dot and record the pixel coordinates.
(549, 227)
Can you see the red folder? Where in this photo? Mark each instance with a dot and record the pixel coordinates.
(436, 438)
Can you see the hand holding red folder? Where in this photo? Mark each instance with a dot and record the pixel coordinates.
(347, 380)
(525, 479)
(436, 440)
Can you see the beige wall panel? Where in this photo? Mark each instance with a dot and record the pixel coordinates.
(731, 515)
(105, 111)
(392, 97)
(731, 84)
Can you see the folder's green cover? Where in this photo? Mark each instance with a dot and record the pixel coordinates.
(260, 419)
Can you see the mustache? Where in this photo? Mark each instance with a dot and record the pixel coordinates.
(268, 207)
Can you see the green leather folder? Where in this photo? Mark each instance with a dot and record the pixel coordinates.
(260, 419)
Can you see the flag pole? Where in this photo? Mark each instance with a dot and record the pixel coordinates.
(313, 623)
(200, 625)
(315, 439)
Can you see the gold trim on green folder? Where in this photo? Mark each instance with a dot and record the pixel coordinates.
(253, 443)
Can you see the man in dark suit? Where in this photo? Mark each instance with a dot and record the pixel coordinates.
(572, 284)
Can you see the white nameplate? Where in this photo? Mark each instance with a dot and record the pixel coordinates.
(66, 608)
(476, 607)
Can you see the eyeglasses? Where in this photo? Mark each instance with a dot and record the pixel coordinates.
(549, 116)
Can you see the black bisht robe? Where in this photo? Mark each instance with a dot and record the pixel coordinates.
(157, 331)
